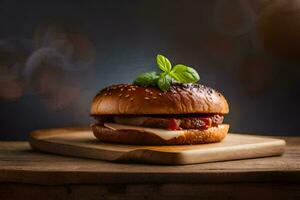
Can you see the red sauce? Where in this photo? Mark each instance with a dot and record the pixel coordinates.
(173, 125)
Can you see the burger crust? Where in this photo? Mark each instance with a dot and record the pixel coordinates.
(191, 136)
(181, 99)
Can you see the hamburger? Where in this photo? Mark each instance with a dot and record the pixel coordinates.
(185, 113)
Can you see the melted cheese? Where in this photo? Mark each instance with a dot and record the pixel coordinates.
(162, 133)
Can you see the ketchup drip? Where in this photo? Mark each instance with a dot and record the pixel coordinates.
(173, 125)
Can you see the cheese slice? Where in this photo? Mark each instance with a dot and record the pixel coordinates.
(162, 133)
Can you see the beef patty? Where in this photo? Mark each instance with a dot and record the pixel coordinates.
(171, 123)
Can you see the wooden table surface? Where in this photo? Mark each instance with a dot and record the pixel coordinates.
(28, 174)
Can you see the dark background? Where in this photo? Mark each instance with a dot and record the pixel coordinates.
(55, 56)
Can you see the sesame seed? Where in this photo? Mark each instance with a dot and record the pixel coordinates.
(147, 98)
(159, 94)
(133, 89)
(131, 99)
(151, 93)
(147, 90)
(105, 94)
(129, 90)
(122, 89)
(127, 95)
(154, 97)
(120, 94)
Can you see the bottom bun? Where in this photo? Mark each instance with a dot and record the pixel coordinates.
(191, 136)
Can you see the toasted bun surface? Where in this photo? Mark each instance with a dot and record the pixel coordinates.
(181, 99)
(191, 136)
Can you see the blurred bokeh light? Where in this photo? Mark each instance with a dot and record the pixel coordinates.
(12, 60)
(279, 28)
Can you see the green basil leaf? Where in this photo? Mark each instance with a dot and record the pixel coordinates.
(180, 73)
(184, 74)
(164, 82)
(163, 63)
(146, 79)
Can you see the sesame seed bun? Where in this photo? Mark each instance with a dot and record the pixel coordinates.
(181, 99)
(190, 136)
(187, 99)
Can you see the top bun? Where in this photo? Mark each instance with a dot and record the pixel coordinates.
(181, 99)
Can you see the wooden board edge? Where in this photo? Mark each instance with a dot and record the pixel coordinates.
(69, 150)
(41, 133)
(277, 147)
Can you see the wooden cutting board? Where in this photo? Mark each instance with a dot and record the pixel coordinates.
(80, 142)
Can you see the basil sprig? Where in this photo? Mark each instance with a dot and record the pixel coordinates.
(179, 73)
(146, 79)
